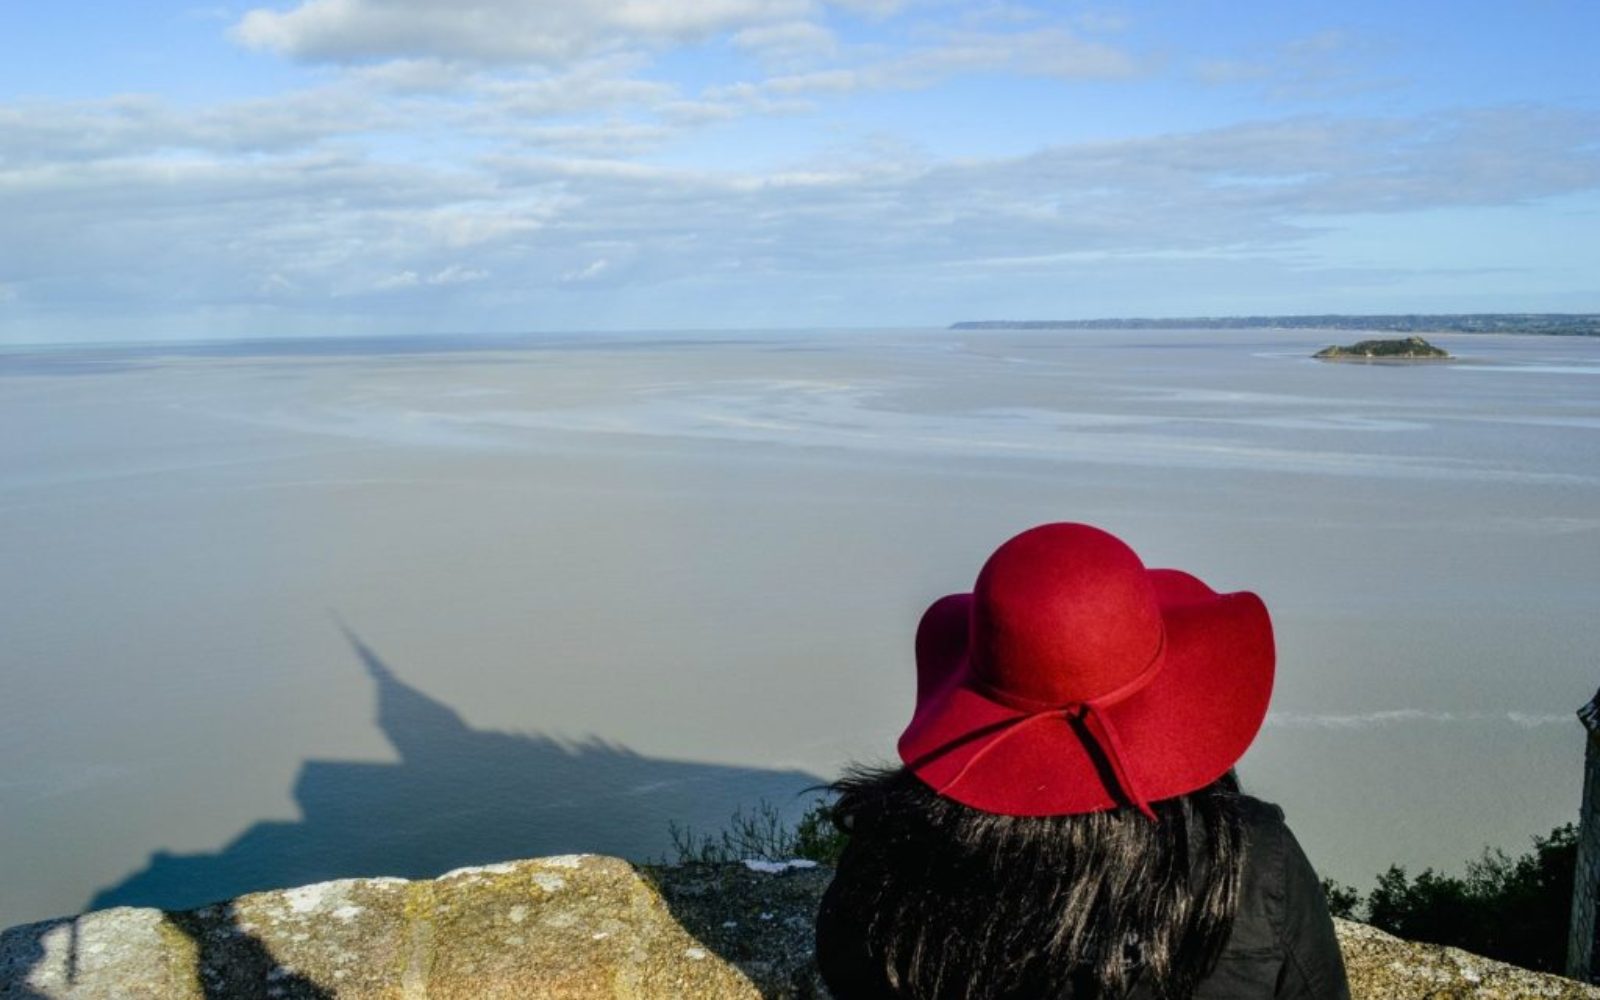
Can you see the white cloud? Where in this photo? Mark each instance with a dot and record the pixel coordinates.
(457, 227)
(211, 13)
(599, 139)
(1322, 66)
(405, 279)
(1222, 191)
(1039, 52)
(335, 226)
(1051, 52)
(788, 41)
(589, 273)
(1411, 717)
(55, 131)
(601, 84)
(480, 153)
(276, 285)
(872, 8)
(1101, 21)
(456, 274)
(1221, 72)
(414, 76)
(549, 31)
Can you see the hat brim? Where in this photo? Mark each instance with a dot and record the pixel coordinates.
(1180, 732)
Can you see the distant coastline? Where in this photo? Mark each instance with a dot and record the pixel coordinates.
(1548, 324)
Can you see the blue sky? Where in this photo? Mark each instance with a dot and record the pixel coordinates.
(182, 170)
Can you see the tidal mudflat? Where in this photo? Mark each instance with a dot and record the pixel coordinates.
(283, 612)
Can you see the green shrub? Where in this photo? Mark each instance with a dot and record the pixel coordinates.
(1512, 909)
(1343, 900)
(764, 835)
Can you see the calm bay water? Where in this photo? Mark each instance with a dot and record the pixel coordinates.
(275, 613)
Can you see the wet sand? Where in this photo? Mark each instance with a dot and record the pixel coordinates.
(273, 614)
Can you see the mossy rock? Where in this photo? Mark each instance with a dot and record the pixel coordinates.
(581, 926)
(1408, 349)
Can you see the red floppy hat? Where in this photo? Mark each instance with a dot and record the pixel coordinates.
(1073, 680)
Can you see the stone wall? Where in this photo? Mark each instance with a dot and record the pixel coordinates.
(1581, 939)
(578, 926)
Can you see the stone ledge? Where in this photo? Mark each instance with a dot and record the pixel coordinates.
(579, 926)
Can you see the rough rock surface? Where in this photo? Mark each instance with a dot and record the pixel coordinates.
(579, 926)
(1382, 965)
(1409, 349)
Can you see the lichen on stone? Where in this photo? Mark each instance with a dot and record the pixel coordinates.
(612, 930)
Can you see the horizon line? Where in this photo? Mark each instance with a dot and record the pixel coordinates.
(965, 325)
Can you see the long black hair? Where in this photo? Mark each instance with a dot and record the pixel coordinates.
(936, 899)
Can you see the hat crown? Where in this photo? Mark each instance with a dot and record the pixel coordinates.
(1063, 614)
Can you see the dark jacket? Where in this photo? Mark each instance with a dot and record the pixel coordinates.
(1282, 944)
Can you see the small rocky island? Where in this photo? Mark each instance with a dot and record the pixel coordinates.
(1408, 349)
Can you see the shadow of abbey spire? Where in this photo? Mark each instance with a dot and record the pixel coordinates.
(457, 796)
